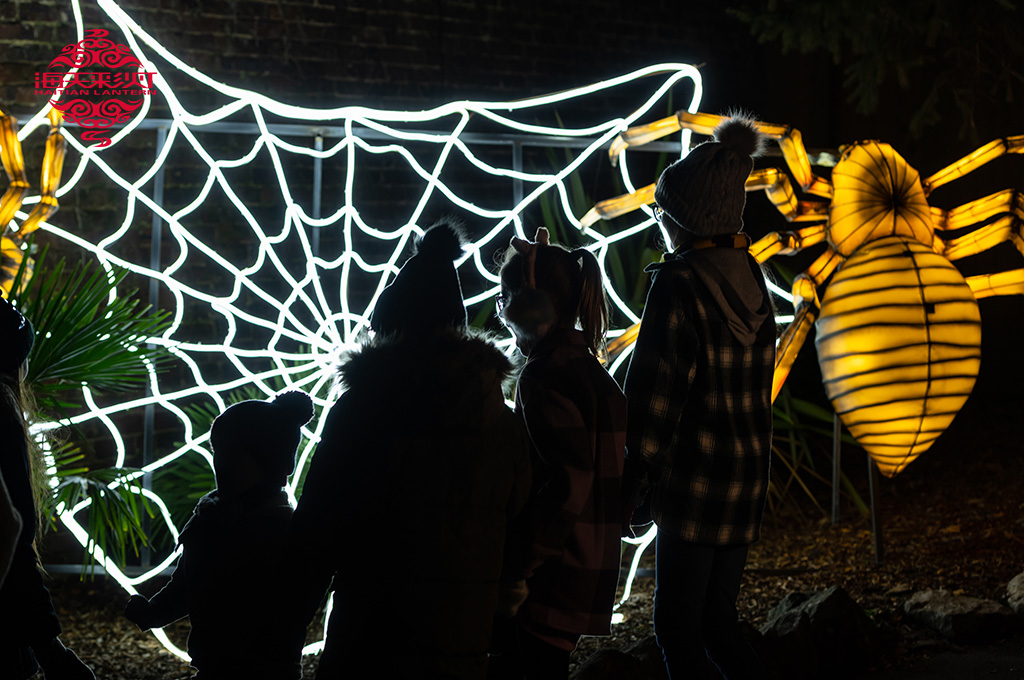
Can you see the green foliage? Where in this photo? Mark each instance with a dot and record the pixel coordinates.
(802, 455)
(85, 338)
(114, 520)
(82, 336)
(968, 53)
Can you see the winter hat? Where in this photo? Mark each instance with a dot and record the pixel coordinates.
(426, 294)
(265, 431)
(704, 192)
(16, 337)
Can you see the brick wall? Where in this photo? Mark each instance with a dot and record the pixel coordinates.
(393, 52)
(417, 54)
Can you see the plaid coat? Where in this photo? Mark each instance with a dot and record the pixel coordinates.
(566, 541)
(700, 412)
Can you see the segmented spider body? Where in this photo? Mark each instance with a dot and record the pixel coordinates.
(899, 346)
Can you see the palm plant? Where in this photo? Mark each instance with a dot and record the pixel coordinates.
(801, 447)
(88, 335)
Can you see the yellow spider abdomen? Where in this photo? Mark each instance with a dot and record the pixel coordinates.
(876, 194)
(899, 343)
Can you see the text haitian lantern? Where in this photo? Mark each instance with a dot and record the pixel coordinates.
(898, 327)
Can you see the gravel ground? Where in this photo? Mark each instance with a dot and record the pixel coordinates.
(954, 519)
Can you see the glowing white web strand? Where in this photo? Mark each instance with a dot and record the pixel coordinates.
(329, 330)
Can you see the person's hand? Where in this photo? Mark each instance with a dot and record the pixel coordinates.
(60, 663)
(511, 597)
(137, 611)
(626, 530)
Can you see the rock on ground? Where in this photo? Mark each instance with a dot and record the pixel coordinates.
(959, 618)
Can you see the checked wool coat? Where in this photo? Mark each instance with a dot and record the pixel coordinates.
(700, 413)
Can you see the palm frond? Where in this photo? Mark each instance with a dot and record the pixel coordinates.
(115, 510)
(84, 334)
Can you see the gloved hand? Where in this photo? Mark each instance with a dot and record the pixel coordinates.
(60, 663)
(137, 611)
(511, 597)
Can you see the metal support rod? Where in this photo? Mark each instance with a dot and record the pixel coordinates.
(149, 414)
(517, 166)
(340, 132)
(876, 522)
(318, 180)
(837, 474)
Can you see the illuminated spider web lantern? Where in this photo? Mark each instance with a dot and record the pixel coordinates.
(286, 300)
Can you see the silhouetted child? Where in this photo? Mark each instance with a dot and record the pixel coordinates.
(231, 546)
(29, 627)
(563, 552)
(700, 410)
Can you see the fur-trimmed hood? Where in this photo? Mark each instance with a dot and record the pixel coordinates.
(449, 379)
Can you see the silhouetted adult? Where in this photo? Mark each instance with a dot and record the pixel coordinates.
(406, 500)
(226, 580)
(29, 628)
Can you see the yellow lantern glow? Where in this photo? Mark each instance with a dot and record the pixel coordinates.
(899, 344)
(11, 253)
(898, 331)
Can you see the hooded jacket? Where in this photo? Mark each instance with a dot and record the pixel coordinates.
(406, 502)
(699, 389)
(217, 585)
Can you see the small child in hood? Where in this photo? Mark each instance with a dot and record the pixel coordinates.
(241, 523)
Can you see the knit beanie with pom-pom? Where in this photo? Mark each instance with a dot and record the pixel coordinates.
(704, 193)
(426, 294)
(267, 432)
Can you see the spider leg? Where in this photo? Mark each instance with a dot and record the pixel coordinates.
(1008, 209)
(49, 180)
(14, 166)
(790, 141)
(11, 253)
(973, 161)
(1002, 283)
(787, 242)
(805, 297)
(620, 205)
(776, 185)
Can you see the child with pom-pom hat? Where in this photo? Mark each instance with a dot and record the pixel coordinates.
(227, 578)
(700, 415)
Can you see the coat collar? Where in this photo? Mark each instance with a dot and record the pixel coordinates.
(730, 241)
(558, 338)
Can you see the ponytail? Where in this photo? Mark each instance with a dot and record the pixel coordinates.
(592, 311)
(551, 285)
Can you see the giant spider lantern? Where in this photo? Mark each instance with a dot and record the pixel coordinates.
(898, 327)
